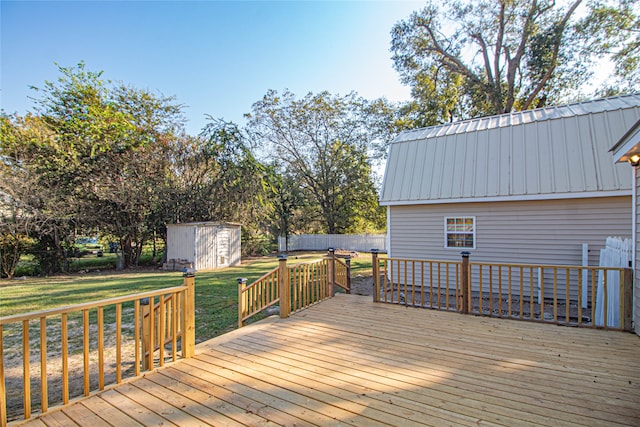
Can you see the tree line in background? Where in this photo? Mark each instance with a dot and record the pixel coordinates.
(108, 158)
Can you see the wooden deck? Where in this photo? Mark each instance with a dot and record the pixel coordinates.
(348, 361)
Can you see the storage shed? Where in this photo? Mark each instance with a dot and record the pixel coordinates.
(207, 245)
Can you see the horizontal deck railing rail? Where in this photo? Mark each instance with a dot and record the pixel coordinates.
(88, 325)
(588, 296)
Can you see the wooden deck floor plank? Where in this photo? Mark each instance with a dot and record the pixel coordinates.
(186, 404)
(159, 406)
(348, 361)
(322, 349)
(580, 337)
(503, 401)
(307, 359)
(494, 328)
(358, 389)
(459, 404)
(236, 399)
(57, 419)
(210, 401)
(442, 361)
(35, 422)
(479, 348)
(282, 400)
(351, 391)
(140, 413)
(608, 389)
(108, 412)
(608, 362)
(304, 395)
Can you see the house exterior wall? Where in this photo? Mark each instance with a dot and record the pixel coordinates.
(549, 232)
(531, 232)
(636, 273)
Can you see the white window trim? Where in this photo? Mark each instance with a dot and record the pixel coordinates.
(446, 234)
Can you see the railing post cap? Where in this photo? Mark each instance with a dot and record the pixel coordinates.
(188, 272)
(465, 254)
(282, 256)
(374, 251)
(242, 280)
(331, 249)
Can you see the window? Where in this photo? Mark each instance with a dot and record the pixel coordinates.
(460, 232)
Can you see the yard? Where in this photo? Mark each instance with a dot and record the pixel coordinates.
(216, 308)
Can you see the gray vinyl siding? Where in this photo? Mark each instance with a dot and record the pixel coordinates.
(636, 280)
(530, 232)
(549, 232)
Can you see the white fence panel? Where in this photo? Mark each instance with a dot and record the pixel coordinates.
(322, 242)
(617, 253)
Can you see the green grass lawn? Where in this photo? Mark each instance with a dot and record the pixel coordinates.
(216, 290)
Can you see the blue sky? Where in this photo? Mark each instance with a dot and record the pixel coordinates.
(216, 58)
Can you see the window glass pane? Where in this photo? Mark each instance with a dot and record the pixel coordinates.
(460, 232)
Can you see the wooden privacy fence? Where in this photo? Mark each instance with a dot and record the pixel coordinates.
(293, 287)
(558, 294)
(126, 335)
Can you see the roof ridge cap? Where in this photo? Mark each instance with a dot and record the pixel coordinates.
(512, 114)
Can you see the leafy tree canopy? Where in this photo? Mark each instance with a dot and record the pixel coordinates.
(323, 141)
(474, 58)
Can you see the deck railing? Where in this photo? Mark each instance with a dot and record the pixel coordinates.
(343, 274)
(293, 287)
(167, 325)
(598, 297)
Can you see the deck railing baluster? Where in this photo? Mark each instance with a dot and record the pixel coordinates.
(163, 320)
(490, 277)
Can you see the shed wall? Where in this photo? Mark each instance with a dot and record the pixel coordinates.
(531, 232)
(207, 245)
(180, 242)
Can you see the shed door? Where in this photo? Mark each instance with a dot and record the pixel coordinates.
(206, 248)
(222, 245)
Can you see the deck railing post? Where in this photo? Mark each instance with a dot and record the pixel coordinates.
(283, 287)
(242, 307)
(331, 272)
(145, 308)
(464, 284)
(376, 275)
(627, 300)
(189, 332)
(347, 261)
(3, 392)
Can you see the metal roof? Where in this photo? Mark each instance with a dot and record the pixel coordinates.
(552, 152)
(628, 145)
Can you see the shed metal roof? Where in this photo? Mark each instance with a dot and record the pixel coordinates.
(552, 152)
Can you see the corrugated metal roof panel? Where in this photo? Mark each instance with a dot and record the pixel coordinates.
(548, 151)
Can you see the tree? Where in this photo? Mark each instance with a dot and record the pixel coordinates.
(323, 141)
(612, 29)
(215, 176)
(106, 158)
(467, 59)
(34, 217)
